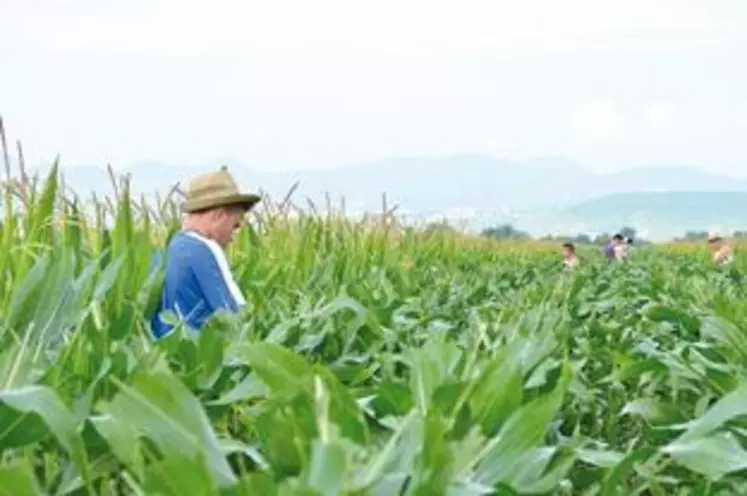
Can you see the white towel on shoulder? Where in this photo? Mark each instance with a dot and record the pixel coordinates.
(220, 258)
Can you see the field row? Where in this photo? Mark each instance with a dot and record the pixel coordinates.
(369, 360)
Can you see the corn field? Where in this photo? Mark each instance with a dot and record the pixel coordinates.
(370, 360)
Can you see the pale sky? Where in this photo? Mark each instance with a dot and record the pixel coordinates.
(283, 84)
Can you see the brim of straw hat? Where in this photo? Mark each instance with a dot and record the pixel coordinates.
(247, 201)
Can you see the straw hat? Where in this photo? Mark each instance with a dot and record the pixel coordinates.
(216, 189)
(713, 236)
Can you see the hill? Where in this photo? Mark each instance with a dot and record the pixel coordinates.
(667, 213)
(542, 195)
(422, 184)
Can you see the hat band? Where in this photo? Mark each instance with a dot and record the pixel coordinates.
(210, 188)
(218, 200)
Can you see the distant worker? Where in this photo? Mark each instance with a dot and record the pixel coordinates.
(197, 280)
(721, 253)
(628, 247)
(617, 248)
(570, 260)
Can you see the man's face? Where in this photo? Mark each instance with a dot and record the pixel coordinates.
(225, 223)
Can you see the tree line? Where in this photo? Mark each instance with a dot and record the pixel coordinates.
(702, 235)
(508, 231)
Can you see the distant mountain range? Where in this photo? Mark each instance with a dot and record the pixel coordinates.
(666, 214)
(539, 195)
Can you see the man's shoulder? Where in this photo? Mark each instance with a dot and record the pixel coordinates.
(185, 245)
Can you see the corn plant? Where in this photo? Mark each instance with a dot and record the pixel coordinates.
(371, 359)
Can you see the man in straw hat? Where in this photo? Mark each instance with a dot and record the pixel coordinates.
(197, 279)
(721, 252)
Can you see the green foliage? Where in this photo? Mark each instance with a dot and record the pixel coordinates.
(369, 361)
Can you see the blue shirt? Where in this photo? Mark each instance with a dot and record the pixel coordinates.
(196, 283)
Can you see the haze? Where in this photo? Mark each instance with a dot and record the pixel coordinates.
(299, 84)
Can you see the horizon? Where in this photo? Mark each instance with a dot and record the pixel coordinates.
(570, 221)
(290, 86)
(232, 162)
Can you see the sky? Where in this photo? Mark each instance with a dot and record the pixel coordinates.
(288, 84)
